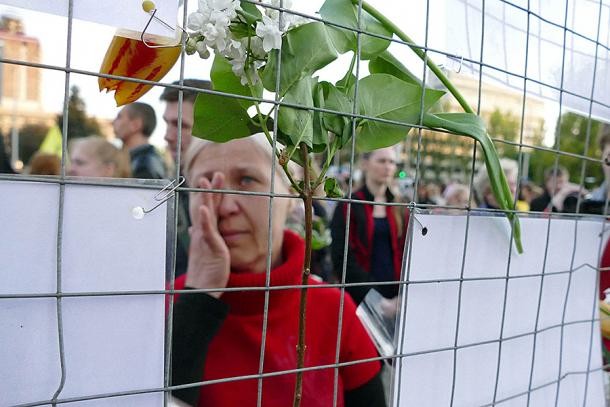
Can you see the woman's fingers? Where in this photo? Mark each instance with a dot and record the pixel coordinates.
(218, 181)
(210, 232)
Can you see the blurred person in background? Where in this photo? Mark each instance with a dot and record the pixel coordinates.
(5, 162)
(218, 334)
(134, 125)
(95, 157)
(434, 193)
(377, 232)
(44, 164)
(457, 195)
(482, 186)
(529, 191)
(602, 193)
(170, 116)
(559, 193)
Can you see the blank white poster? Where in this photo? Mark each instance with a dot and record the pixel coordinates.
(112, 343)
(545, 314)
(127, 14)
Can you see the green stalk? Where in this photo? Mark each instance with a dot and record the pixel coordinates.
(307, 196)
(498, 180)
(263, 124)
(433, 67)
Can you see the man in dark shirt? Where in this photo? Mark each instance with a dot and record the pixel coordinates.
(184, 124)
(133, 126)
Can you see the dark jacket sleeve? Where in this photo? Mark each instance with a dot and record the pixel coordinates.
(353, 272)
(370, 394)
(148, 167)
(197, 318)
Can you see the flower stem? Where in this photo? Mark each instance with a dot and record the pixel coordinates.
(433, 67)
(263, 123)
(307, 196)
(329, 157)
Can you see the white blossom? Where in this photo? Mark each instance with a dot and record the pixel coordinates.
(215, 36)
(270, 33)
(202, 50)
(288, 20)
(212, 20)
(196, 21)
(256, 47)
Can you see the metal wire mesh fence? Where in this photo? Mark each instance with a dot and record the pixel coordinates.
(516, 61)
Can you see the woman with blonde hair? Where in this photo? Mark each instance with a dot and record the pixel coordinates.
(95, 157)
(218, 334)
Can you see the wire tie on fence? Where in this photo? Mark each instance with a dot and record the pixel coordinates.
(604, 231)
(161, 197)
(149, 7)
(449, 66)
(424, 229)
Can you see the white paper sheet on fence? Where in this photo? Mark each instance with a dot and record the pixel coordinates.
(426, 378)
(126, 14)
(111, 343)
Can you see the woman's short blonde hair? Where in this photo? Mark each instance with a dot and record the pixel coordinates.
(107, 153)
(197, 145)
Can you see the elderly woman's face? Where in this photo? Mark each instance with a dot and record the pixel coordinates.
(243, 219)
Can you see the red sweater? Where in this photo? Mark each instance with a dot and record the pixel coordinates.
(604, 283)
(235, 351)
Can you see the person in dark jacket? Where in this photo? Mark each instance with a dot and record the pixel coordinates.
(5, 163)
(557, 188)
(133, 126)
(377, 232)
(183, 124)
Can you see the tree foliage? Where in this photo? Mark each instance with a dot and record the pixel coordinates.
(79, 123)
(571, 135)
(30, 138)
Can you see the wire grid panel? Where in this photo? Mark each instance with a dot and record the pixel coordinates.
(521, 76)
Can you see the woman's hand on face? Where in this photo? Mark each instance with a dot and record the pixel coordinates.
(209, 260)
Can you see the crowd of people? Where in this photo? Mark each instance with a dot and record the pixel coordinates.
(223, 243)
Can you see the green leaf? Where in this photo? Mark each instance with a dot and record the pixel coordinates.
(220, 118)
(305, 49)
(336, 100)
(387, 63)
(250, 12)
(471, 125)
(298, 123)
(387, 97)
(345, 83)
(224, 80)
(345, 13)
(320, 239)
(320, 134)
(332, 188)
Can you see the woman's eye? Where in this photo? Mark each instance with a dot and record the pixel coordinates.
(246, 180)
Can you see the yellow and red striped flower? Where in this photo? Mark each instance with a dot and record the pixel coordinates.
(132, 58)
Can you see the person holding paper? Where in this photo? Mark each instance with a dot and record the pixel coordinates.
(377, 232)
(229, 248)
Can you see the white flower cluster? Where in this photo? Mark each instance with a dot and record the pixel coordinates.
(211, 30)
